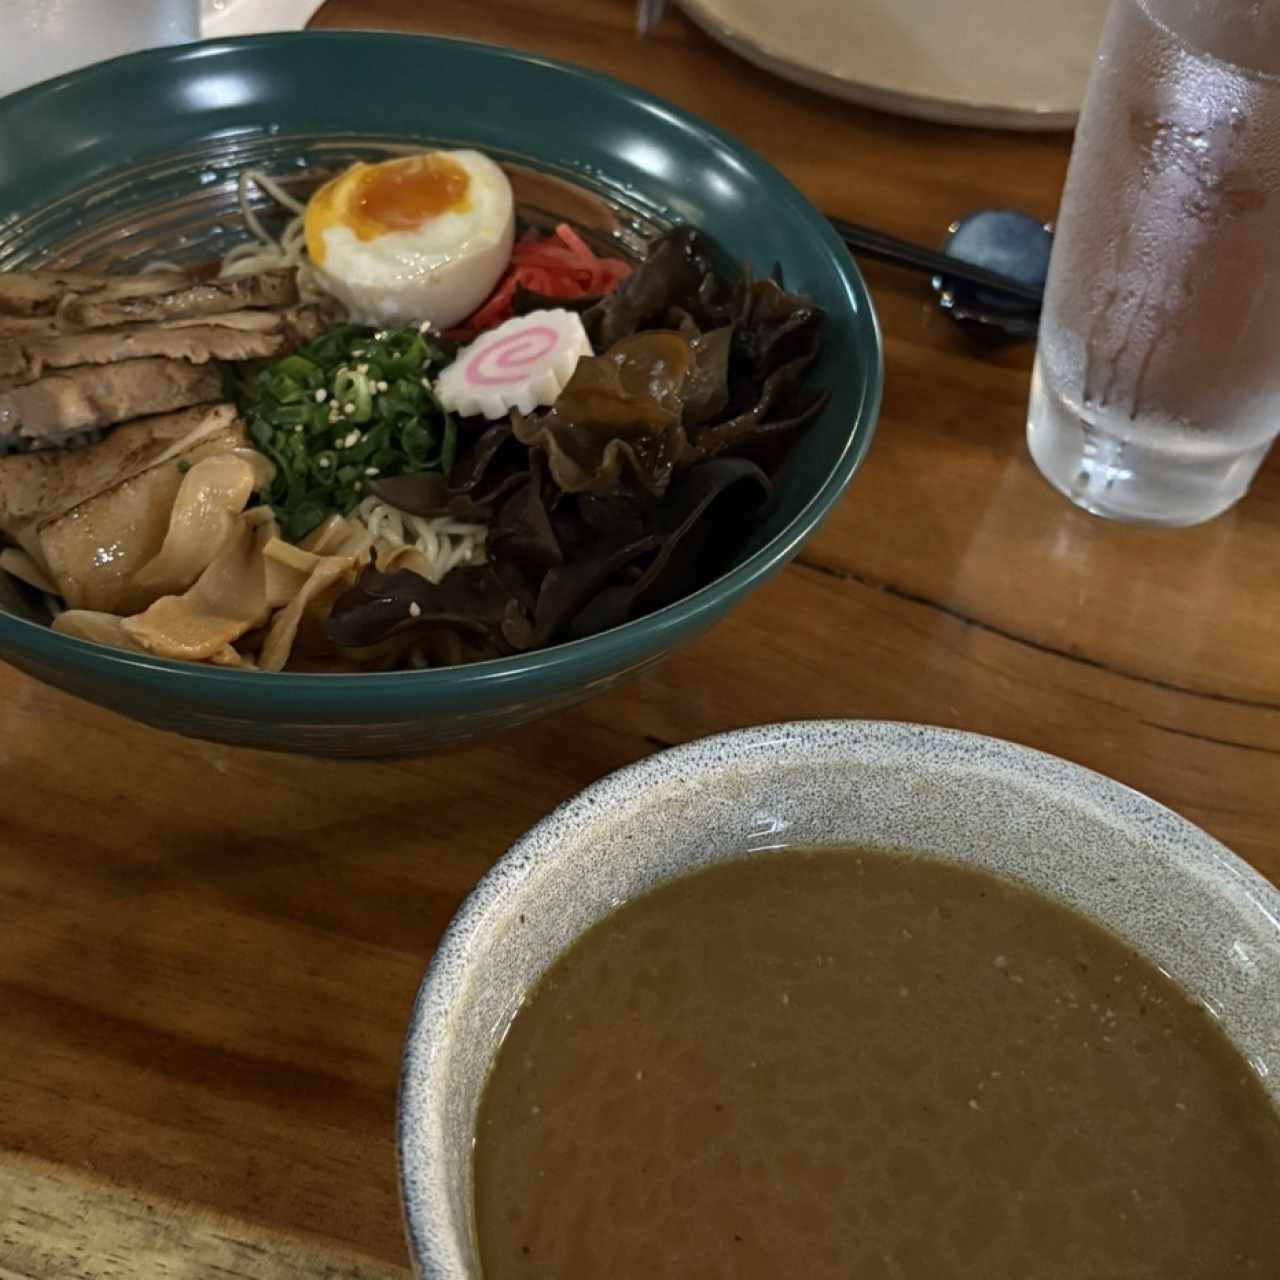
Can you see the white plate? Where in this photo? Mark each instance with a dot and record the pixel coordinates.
(1014, 64)
(220, 18)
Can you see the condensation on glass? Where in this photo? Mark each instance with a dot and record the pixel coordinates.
(1156, 391)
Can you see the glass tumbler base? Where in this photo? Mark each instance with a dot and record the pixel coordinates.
(1126, 480)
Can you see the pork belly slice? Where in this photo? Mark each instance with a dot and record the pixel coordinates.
(42, 413)
(15, 327)
(93, 549)
(37, 487)
(24, 363)
(238, 335)
(38, 293)
(104, 308)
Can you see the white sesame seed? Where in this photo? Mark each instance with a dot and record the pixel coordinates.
(382, 386)
(326, 462)
(415, 609)
(297, 430)
(359, 484)
(321, 395)
(425, 327)
(371, 471)
(351, 439)
(426, 382)
(349, 407)
(380, 335)
(361, 352)
(362, 368)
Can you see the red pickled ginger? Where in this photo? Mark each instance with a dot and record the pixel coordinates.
(559, 265)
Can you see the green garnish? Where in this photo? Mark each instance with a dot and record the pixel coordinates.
(345, 409)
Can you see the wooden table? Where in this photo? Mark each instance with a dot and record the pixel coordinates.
(207, 956)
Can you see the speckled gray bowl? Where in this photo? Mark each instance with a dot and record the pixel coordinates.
(1180, 897)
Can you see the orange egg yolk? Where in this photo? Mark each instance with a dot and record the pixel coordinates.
(395, 195)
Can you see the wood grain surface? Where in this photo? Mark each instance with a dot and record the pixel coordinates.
(207, 956)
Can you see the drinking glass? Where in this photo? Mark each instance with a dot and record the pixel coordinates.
(43, 38)
(1156, 391)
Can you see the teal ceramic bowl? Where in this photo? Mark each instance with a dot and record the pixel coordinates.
(136, 159)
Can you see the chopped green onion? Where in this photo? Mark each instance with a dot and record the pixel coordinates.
(320, 417)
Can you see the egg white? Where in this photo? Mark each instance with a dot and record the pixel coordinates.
(440, 271)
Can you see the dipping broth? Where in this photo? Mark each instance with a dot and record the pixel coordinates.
(844, 1063)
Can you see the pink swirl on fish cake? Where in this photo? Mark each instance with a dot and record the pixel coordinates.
(508, 359)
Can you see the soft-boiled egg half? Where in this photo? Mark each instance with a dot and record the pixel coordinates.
(421, 238)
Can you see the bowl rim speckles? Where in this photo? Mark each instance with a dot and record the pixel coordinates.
(1175, 893)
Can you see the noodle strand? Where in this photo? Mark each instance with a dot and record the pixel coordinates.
(266, 252)
(443, 542)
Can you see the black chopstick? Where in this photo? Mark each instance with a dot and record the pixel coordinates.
(886, 248)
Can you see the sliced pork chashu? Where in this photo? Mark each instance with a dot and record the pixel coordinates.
(23, 363)
(104, 307)
(38, 293)
(12, 327)
(92, 550)
(37, 487)
(41, 413)
(238, 335)
(37, 304)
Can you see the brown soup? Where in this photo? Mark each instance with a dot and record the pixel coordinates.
(843, 1063)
